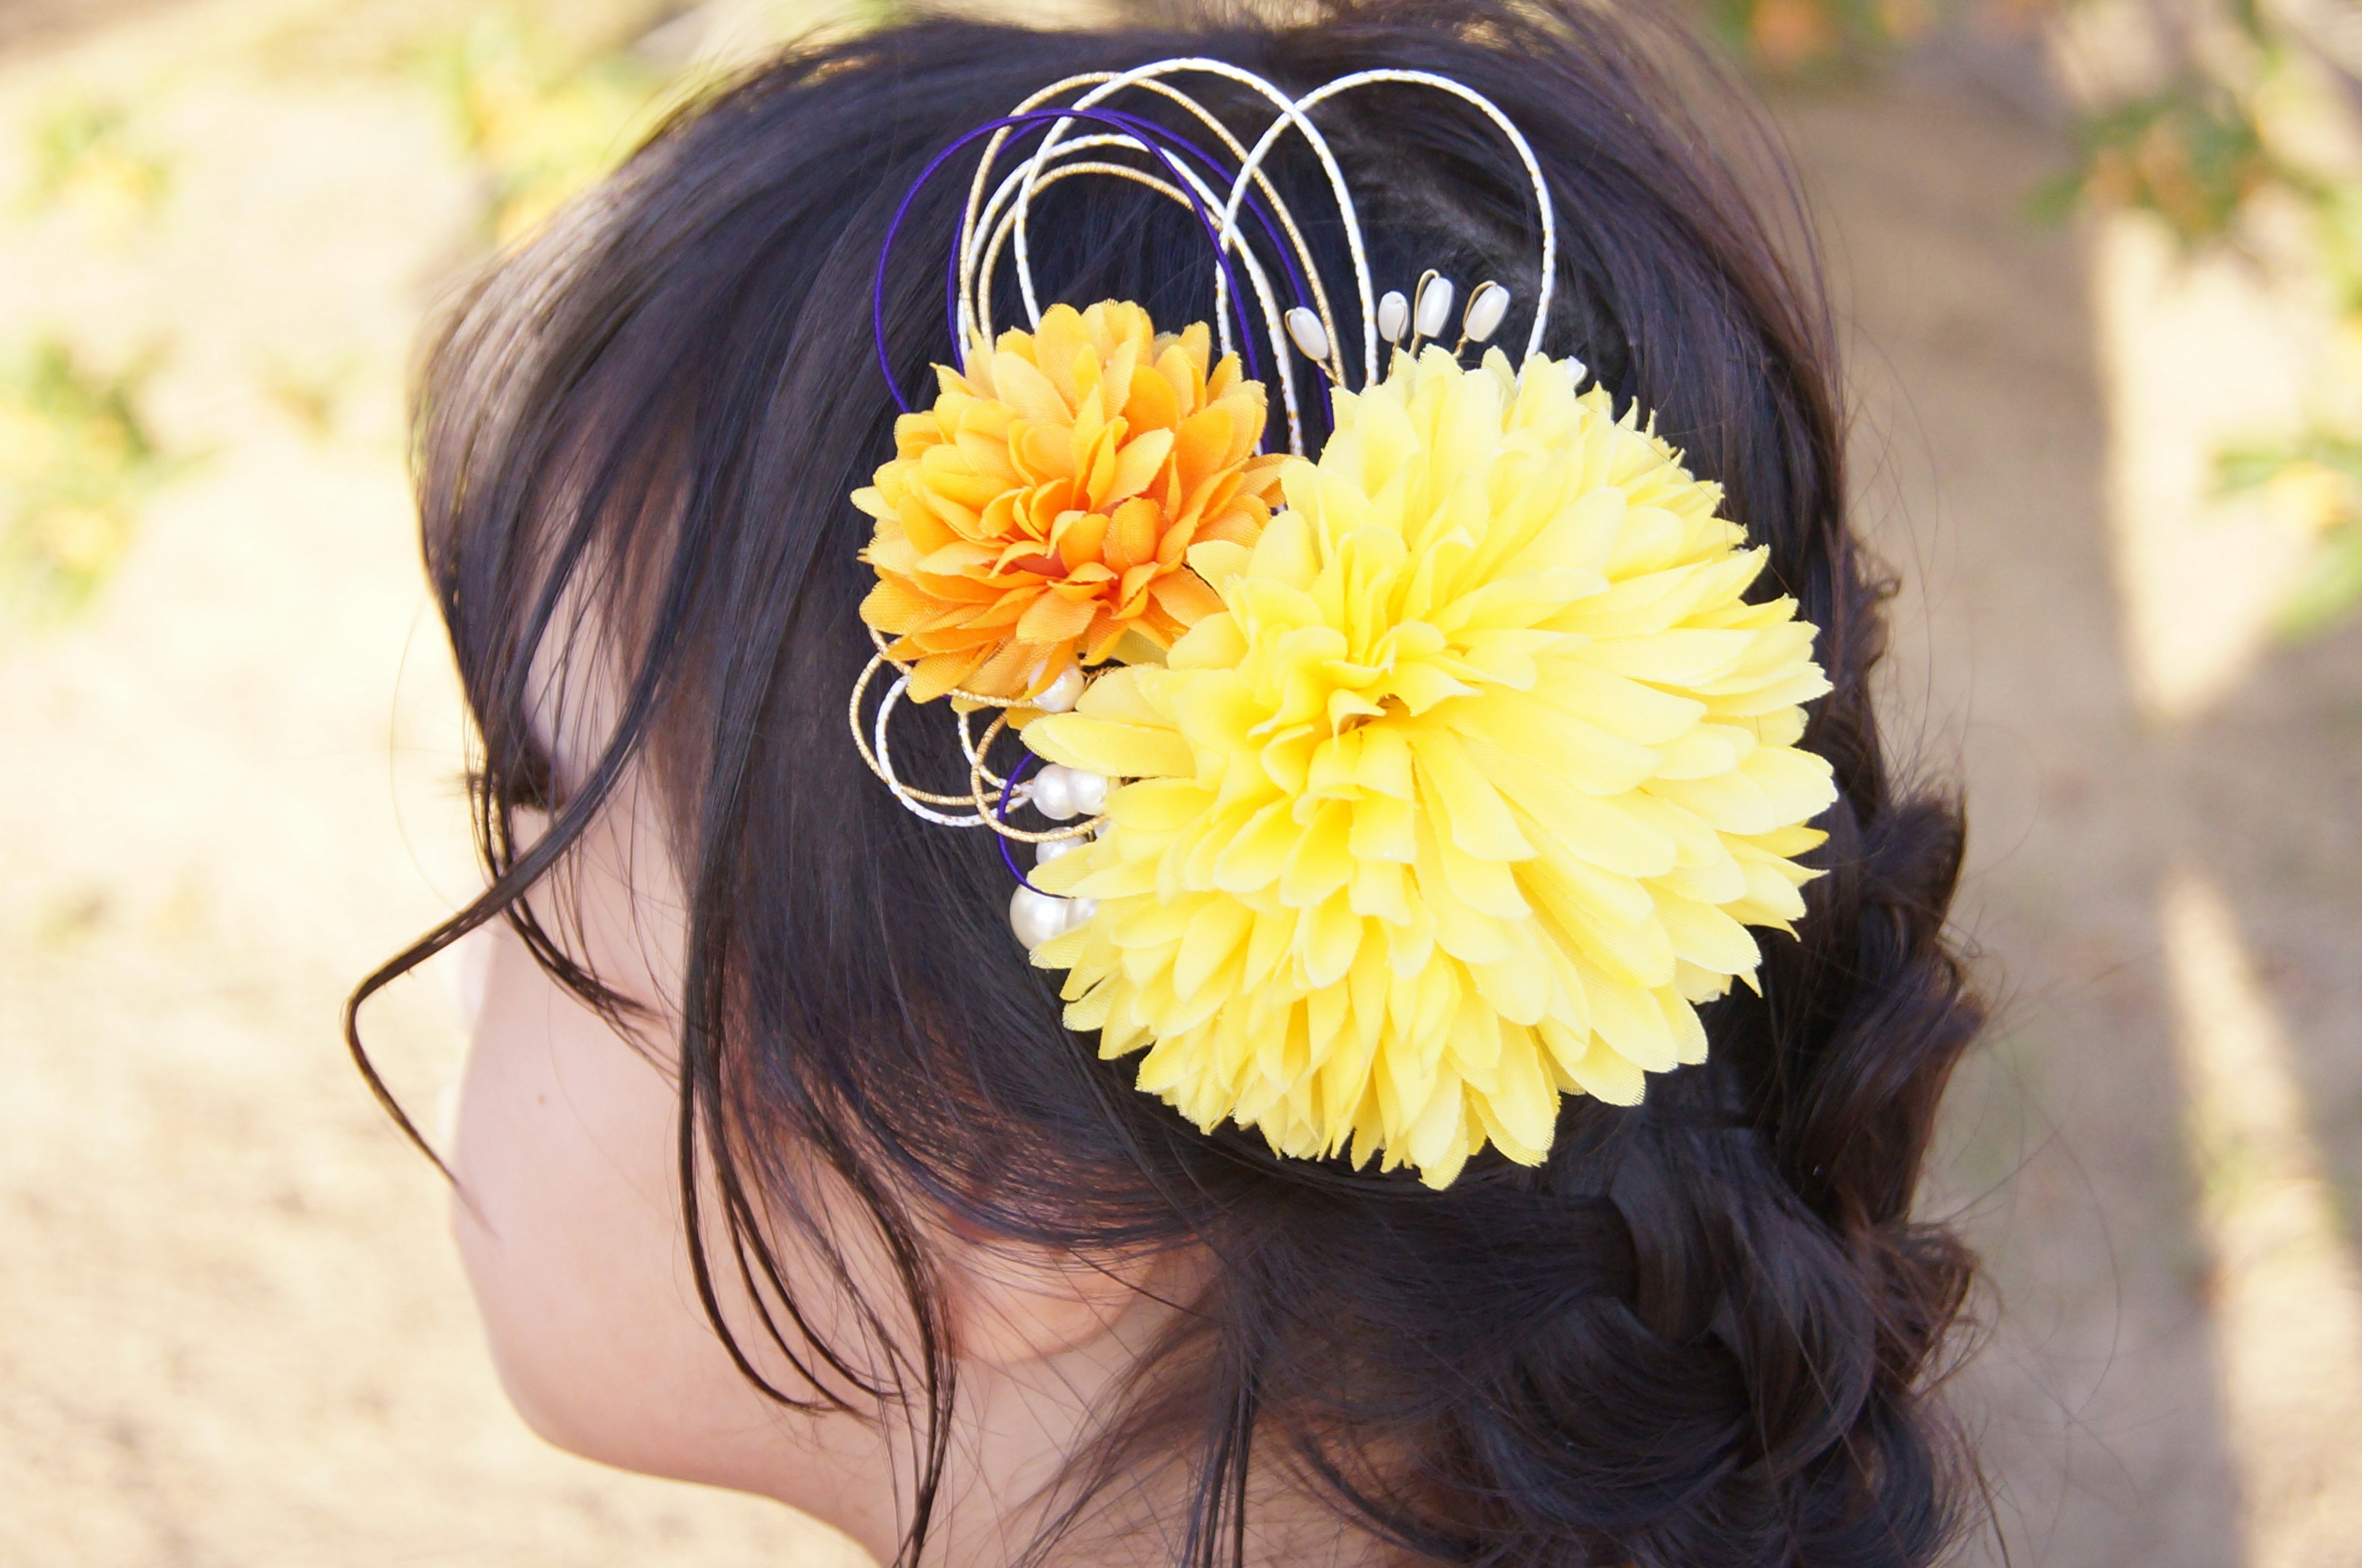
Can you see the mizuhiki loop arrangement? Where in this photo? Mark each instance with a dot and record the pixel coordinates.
(1396, 790)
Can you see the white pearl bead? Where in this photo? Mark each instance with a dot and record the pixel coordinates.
(1088, 791)
(1486, 306)
(1036, 917)
(1311, 338)
(1394, 316)
(1079, 913)
(1052, 848)
(1433, 308)
(1053, 792)
(1061, 693)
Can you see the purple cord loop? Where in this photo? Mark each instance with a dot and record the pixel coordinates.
(1001, 814)
(1144, 131)
(1160, 143)
(1273, 235)
(1141, 130)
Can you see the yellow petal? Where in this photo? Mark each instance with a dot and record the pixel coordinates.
(1113, 750)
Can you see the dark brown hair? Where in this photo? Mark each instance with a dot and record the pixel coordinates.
(1700, 1335)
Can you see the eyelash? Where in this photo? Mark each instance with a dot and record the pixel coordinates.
(530, 786)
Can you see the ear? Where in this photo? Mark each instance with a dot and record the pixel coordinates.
(1013, 1303)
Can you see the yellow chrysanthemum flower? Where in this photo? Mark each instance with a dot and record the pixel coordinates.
(1042, 508)
(1466, 797)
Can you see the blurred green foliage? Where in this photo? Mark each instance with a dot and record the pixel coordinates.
(84, 151)
(2192, 154)
(541, 116)
(2320, 473)
(1818, 38)
(76, 459)
(546, 96)
(2225, 137)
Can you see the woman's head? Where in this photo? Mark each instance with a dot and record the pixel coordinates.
(937, 1237)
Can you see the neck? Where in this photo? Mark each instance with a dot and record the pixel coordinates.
(1010, 1475)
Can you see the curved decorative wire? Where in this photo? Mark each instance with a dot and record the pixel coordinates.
(994, 222)
(1491, 111)
(1273, 315)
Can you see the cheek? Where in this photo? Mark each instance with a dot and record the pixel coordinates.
(569, 1223)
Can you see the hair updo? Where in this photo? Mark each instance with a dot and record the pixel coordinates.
(1699, 1335)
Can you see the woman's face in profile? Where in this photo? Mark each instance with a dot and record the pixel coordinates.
(568, 1215)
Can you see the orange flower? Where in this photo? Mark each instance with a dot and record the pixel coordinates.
(1044, 506)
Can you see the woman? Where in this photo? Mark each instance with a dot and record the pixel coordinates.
(780, 1167)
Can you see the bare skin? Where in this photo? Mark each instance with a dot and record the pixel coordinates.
(568, 1220)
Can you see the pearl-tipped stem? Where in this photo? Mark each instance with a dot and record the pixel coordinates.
(1304, 329)
(1426, 280)
(1432, 310)
(1487, 307)
(1394, 316)
(1311, 340)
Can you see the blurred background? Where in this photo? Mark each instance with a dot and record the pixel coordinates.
(2099, 267)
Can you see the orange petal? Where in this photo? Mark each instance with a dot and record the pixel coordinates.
(1143, 457)
(1003, 675)
(1203, 445)
(1058, 342)
(1185, 378)
(999, 519)
(1131, 596)
(1196, 342)
(988, 454)
(1260, 477)
(1240, 523)
(1053, 618)
(1078, 537)
(1133, 534)
(959, 558)
(893, 607)
(1095, 465)
(1248, 413)
(891, 551)
(1154, 404)
(1105, 632)
(1213, 495)
(1183, 596)
(914, 432)
(1017, 383)
(1173, 544)
(939, 673)
(946, 472)
(926, 531)
(1044, 451)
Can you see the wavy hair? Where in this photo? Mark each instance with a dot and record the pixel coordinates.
(1703, 1334)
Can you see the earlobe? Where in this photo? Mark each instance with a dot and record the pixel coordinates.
(1013, 1303)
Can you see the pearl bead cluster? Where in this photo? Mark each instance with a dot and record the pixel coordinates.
(1060, 793)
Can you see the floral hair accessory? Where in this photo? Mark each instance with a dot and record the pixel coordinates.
(1043, 507)
(1464, 800)
(1449, 788)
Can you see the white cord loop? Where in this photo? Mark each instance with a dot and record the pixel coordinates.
(994, 223)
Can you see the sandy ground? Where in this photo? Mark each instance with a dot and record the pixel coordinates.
(231, 1331)
(2118, 858)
